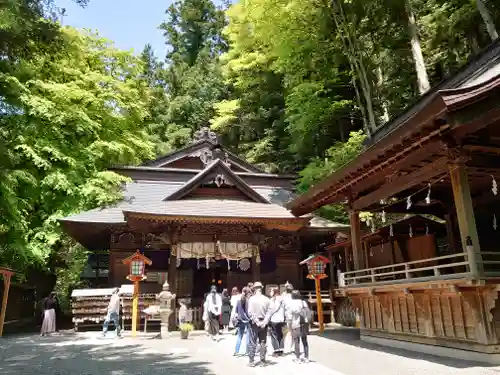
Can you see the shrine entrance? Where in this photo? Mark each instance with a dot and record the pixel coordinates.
(204, 278)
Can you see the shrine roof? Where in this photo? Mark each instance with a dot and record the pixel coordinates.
(196, 148)
(224, 208)
(139, 194)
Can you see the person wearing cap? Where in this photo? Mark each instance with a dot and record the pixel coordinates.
(258, 312)
(113, 313)
(287, 298)
(214, 309)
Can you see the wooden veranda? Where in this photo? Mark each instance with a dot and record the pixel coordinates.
(440, 158)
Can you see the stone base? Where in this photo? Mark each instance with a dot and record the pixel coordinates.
(440, 351)
(164, 331)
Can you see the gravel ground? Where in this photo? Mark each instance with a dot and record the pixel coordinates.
(337, 353)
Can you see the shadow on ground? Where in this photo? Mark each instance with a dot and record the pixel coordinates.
(351, 336)
(68, 354)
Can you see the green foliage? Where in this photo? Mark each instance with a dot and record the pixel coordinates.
(318, 169)
(186, 327)
(189, 83)
(66, 117)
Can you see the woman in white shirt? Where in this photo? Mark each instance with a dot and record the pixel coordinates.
(235, 297)
(214, 309)
(277, 321)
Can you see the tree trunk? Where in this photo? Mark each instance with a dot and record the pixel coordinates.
(385, 111)
(416, 50)
(488, 21)
(357, 66)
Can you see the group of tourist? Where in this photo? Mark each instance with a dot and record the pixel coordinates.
(286, 318)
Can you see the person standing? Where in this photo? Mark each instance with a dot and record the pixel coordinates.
(214, 308)
(226, 309)
(300, 318)
(49, 306)
(242, 320)
(235, 297)
(287, 298)
(258, 312)
(205, 315)
(277, 321)
(113, 313)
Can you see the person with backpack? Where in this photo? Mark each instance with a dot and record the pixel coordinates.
(299, 317)
(277, 321)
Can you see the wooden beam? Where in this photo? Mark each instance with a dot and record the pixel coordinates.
(482, 148)
(465, 216)
(401, 161)
(357, 247)
(402, 183)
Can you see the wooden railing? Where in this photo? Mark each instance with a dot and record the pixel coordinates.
(325, 300)
(443, 267)
(490, 263)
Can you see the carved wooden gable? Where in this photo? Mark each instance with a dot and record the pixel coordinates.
(204, 149)
(217, 180)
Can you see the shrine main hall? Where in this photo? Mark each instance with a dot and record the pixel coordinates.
(203, 216)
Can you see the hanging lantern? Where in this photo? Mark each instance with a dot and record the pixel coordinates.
(316, 265)
(137, 264)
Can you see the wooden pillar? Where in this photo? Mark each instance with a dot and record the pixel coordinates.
(5, 299)
(346, 258)
(366, 254)
(135, 308)
(450, 233)
(465, 216)
(356, 240)
(333, 280)
(255, 269)
(172, 282)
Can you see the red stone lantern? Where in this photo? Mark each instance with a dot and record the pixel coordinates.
(316, 265)
(137, 265)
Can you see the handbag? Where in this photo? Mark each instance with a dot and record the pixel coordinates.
(306, 314)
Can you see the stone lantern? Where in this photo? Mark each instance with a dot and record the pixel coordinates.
(166, 299)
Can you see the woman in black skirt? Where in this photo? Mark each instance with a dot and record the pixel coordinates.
(226, 309)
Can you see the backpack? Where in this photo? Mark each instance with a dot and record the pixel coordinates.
(306, 314)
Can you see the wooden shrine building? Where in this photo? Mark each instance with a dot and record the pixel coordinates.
(203, 216)
(440, 157)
